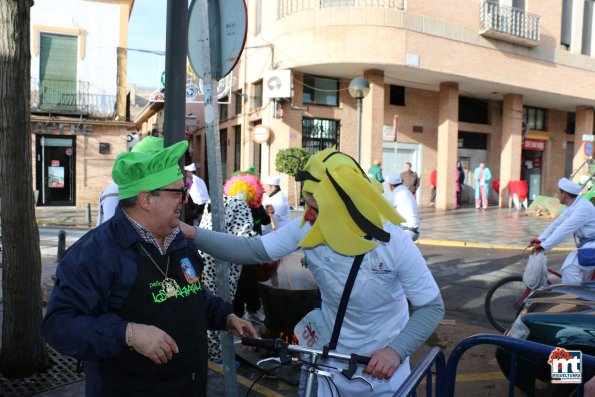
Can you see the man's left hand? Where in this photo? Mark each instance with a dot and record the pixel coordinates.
(383, 363)
(240, 327)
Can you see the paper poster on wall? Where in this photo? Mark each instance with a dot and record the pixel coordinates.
(55, 177)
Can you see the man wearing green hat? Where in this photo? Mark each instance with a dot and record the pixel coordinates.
(109, 199)
(129, 299)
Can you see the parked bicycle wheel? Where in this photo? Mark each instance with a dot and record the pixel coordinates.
(503, 301)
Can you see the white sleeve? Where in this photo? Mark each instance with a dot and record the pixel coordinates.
(284, 240)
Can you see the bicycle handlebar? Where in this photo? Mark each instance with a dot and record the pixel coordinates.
(278, 344)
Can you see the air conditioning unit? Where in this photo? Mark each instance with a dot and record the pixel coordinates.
(277, 84)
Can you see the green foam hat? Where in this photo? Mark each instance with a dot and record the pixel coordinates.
(135, 172)
(150, 144)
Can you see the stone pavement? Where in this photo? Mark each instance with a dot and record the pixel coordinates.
(464, 227)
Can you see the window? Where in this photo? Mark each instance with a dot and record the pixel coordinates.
(566, 33)
(472, 140)
(223, 113)
(223, 144)
(237, 151)
(397, 95)
(258, 19)
(257, 91)
(321, 91)
(319, 134)
(570, 124)
(587, 27)
(535, 118)
(57, 74)
(239, 99)
(473, 110)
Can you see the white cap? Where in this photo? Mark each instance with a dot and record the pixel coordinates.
(271, 180)
(190, 167)
(393, 178)
(568, 186)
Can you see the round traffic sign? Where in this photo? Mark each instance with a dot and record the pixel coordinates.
(261, 133)
(226, 33)
(589, 148)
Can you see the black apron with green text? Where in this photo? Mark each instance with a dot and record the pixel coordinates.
(182, 317)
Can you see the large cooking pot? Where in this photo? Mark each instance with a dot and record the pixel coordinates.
(288, 295)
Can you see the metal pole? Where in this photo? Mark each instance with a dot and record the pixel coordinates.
(61, 244)
(359, 127)
(176, 47)
(211, 58)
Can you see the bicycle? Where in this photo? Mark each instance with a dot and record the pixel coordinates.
(309, 360)
(506, 297)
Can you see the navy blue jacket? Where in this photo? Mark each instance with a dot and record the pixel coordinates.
(93, 280)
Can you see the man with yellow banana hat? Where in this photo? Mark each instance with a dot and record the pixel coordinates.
(358, 254)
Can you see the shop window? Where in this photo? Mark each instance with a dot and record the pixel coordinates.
(397, 95)
(321, 91)
(237, 152)
(239, 99)
(473, 110)
(223, 113)
(319, 134)
(535, 118)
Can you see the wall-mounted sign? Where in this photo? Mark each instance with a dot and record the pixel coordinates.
(261, 133)
(533, 144)
(588, 148)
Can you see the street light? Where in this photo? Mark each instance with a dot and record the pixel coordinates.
(358, 89)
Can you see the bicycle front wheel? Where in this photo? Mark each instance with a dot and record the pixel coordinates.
(503, 301)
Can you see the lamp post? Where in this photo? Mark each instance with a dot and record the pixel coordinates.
(358, 89)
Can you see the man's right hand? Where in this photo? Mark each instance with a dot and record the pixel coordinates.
(189, 231)
(153, 343)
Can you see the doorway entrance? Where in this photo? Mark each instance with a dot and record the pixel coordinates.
(394, 157)
(55, 170)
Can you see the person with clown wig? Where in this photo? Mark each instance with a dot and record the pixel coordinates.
(348, 223)
(242, 193)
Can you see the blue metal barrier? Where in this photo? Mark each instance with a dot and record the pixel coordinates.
(424, 369)
(515, 346)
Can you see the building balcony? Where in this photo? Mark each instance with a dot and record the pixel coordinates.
(288, 7)
(70, 98)
(509, 24)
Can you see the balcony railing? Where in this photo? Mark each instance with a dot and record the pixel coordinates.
(508, 23)
(70, 97)
(288, 7)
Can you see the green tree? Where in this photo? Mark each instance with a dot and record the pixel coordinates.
(289, 161)
(23, 349)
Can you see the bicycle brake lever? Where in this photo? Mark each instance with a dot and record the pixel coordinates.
(358, 377)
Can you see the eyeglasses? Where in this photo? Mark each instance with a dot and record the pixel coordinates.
(183, 191)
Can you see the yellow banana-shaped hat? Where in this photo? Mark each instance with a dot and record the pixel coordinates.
(350, 205)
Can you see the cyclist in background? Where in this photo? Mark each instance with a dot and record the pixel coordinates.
(578, 218)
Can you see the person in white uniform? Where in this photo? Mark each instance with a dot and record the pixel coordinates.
(275, 203)
(347, 216)
(401, 198)
(198, 192)
(108, 199)
(577, 218)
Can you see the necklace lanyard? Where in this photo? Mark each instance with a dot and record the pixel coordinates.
(168, 285)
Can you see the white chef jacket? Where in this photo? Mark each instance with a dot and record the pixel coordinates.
(578, 218)
(198, 191)
(377, 309)
(108, 201)
(281, 205)
(404, 202)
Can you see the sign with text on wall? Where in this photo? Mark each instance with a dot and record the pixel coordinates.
(533, 144)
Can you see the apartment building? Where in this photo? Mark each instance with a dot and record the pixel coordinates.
(78, 102)
(506, 82)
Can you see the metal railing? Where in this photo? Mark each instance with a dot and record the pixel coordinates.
(509, 20)
(288, 7)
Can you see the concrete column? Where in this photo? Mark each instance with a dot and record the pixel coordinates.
(512, 136)
(448, 132)
(583, 125)
(372, 119)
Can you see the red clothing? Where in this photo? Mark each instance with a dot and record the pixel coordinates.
(433, 177)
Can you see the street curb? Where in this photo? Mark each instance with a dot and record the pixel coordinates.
(468, 244)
